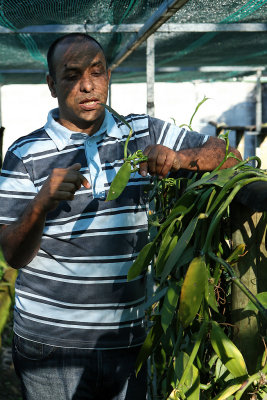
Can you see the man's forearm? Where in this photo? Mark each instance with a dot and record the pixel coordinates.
(205, 158)
(21, 240)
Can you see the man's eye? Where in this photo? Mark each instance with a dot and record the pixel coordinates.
(97, 73)
(71, 77)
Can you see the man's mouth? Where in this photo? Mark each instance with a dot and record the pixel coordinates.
(88, 104)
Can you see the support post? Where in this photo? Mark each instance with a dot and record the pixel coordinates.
(150, 74)
(249, 227)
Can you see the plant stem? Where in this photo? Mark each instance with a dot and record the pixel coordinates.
(240, 284)
(126, 143)
(192, 355)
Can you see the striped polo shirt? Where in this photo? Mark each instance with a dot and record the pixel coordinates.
(75, 292)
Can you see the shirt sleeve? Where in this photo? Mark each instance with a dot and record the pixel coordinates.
(16, 189)
(172, 136)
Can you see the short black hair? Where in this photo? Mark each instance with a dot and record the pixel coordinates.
(74, 35)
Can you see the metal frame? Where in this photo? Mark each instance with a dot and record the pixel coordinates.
(163, 14)
(134, 28)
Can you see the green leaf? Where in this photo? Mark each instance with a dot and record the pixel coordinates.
(120, 117)
(3, 263)
(179, 248)
(119, 182)
(186, 257)
(218, 178)
(238, 252)
(157, 296)
(142, 261)
(182, 207)
(169, 305)
(179, 366)
(226, 393)
(262, 297)
(191, 385)
(168, 242)
(192, 291)
(150, 343)
(210, 293)
(229, 354)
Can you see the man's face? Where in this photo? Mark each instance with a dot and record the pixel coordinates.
(80, 84)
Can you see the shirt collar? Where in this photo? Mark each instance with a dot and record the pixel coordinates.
(63, 137)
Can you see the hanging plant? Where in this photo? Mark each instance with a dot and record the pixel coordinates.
(188, 343)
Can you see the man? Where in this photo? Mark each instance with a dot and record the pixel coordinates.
(78, 322)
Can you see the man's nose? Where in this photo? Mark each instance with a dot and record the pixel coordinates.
(86, 83)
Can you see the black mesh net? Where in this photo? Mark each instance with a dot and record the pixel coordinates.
(179, 56)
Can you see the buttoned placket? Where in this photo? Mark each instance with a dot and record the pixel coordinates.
(97, 175)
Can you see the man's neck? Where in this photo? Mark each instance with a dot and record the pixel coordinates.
(89, 129)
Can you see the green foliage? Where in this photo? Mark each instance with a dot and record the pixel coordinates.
(189, 342)
(192, 259)
(3, 266)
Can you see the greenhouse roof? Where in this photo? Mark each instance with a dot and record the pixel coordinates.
(194, 39)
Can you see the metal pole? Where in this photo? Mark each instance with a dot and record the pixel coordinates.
(258, 117)
(150, 74)
(258, 103)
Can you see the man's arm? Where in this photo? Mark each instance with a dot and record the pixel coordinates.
(162, 160)
(20, 241)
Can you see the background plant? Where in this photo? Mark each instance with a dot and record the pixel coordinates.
(188, 345)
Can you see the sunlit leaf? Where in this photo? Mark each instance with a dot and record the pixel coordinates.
(191, 387)
(262, 297)
(226, 350)
(192, 290)
(3, 263)
(238, 252)
(119, 182)
(226, 393)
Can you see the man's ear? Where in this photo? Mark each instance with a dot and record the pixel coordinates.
(51, 84)
(109, 74)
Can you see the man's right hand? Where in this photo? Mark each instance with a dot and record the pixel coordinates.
(60, 185)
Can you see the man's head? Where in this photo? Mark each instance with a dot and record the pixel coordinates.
(79, 78)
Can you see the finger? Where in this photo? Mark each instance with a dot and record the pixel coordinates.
(168, 164)
(143, 166)
(76, 167)
(153, 162)
(63, 195)
(160, 164)
(83, 180)
(69, 187)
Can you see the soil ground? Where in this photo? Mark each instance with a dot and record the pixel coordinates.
(9, 383)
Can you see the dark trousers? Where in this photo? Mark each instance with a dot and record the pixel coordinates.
(56, 373)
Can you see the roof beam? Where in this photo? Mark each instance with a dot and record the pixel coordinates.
(164, 13)
(207, 68)
(134, 28)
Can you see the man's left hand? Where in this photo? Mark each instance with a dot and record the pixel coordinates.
(161, 160)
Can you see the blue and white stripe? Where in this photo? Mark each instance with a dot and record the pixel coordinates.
(75, 292)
